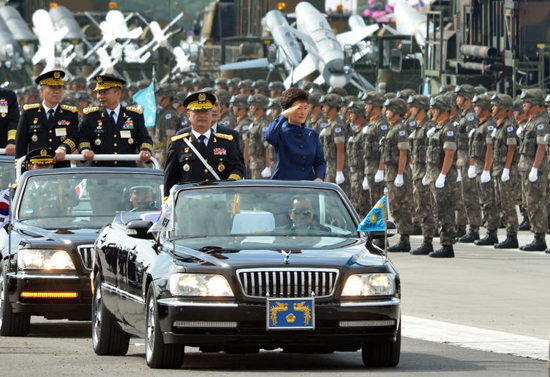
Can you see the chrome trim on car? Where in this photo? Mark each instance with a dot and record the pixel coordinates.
(120, 292)
(86, 253)
(178, 302)
(392, 302)
(28, 276)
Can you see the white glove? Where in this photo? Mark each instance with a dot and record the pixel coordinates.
(425, 181)
(266, 173)
(430, 132)
(440, 183)
(533, 175)
(340, 178)
(379, 177)
(365, 184)
(485, 176)
(494, 133)
(472, 172)
(412, 166)
(398, 181)
(472, 132)
(459, 178)
(519, 131)
(505, 175)
(411, 136)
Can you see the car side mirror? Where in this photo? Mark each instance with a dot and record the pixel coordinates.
(138, 229)
(392, 231)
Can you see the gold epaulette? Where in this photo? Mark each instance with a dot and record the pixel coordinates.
(179, 137)
(72, 109)
(138, 110)
(224, 136)
(89, 110)
(31, 106)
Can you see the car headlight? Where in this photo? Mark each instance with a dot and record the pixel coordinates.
(203, 285)
(370, 285)
(33, 259)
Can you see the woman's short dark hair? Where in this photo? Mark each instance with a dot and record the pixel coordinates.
(293, 95)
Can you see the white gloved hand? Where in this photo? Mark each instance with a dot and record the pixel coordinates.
(266, 173)
(379, 177)
(494, 133)
(365, 184)
(534, 175)
(519, 131)
(485, 176)
(472, 172)
(472, 132)
(425, 181)
(440, 183)
(398, 181)
(412, 166)
(505, 175)
(340, 178)
(459, 178)
(430, 132)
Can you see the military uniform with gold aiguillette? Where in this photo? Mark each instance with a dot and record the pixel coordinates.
(9, 117)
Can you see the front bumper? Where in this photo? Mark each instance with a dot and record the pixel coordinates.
(49, 286)
(338, 326)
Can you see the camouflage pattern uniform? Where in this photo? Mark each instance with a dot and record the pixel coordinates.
(226, 119)
(167, 124)
(335, 133)
(356, 159)
(523, 173)
(319, 122)
(241, 101)
(254, 138)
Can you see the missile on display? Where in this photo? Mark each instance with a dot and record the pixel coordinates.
(48, 37)
(369, 50)
(10, 51)
(16, 24)
(409, 21)
(62, 17)
(289, 52)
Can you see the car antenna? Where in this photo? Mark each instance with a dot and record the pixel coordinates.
(173, 228)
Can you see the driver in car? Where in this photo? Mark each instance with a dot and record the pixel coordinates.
(303, 217)
(141, 198)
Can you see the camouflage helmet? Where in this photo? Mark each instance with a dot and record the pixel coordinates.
(167, 90)
(420, 101)
(261, 85)
(533, 96)
(348, 99)
(276, 85)
(356, 107)
(404, 94)
(483, 101)
(258, 100)
(340, 91)
(502, 101)
(275, 104)
(188, 82)
(390, 95)
(397, 105)
(79, 80)
(480, 89)
(374, 98)
(245, 84)
(221, 81)
(32, 91)
(82, 96)
(466, 91)
(451, 99)
(180, 96)
(239, 100)
(518, 105)
(446, 88)
(224, 96)
(440, 102)
(315, 98)
(333, 100)
(69, 98)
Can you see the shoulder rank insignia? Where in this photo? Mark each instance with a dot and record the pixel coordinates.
(138, 110)
(89, 110)
(72, 109)
(224, 136)
(31, 106)
(179, 137)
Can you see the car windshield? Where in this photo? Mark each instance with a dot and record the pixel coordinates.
(7, 173)
(87, 199)
(272, 217)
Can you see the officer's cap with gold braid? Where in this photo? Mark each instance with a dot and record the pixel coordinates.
(104, 82)
(40, 156)
(51, 78)
(199, 101)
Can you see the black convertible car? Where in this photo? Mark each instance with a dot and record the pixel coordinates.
(244, 266)
(46, 257)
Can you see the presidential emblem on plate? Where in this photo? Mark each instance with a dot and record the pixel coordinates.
(290, 314)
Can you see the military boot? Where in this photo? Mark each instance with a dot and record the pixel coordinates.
(471, 236)
(538, 244)
(446, 251)
(511, 242)
(490, 239)
(460, 231)
(424, 249)
(525, 224)
(402, 246)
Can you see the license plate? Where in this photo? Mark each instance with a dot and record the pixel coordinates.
(290, 314)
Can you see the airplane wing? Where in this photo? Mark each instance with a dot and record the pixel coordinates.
(247, 64)
(305, 68)
(355, 36)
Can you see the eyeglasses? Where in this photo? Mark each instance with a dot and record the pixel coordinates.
(303, 212)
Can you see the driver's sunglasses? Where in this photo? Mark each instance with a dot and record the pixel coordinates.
(304, 212)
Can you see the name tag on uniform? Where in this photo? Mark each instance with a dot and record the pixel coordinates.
(60, 132)
(125, 134)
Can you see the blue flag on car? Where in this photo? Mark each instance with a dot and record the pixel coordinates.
(375, 219)
(146, 99)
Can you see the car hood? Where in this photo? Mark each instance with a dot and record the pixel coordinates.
(38, 237)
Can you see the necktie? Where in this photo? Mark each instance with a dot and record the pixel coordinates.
(202, 142)
(50, 116)
(113, 116)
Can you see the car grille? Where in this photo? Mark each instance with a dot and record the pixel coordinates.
(287, 283)
(86, 253)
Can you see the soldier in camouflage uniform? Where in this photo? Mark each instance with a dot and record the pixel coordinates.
(481, 145)
(181, 110)
(276, 89)
(533, 150)
(394, 161)
(469, 188)
(239, 106)
(408, 119)
(521, 122)
(245, 87)
(423, 198)
(260, 87)
(505, 168)
(359, 194)
(226, 118)
(377, 128)
(333, 139)
(317, 119)
(274, 109)
(255, 145)
(442, 173)
(167, 123)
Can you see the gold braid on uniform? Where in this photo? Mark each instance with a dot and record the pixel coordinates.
(72, 109)
(138, 110)
(71, 144)
(224, 136)
(147, 147)
(84, 145)
(179, 137)
(11, 134)
(31, 106)
(89, 110)
(235, 177)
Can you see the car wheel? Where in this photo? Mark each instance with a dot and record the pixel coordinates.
(107, 336)
(158, 354)
(382, 355)
(11, 324)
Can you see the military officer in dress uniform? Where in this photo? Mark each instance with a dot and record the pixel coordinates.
(9, 118)
(111, 128)
(209, 152)
(50, 124)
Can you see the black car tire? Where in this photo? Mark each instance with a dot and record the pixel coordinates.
(11, 324)
(158, 354)
(107, 336)
(382, 355)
